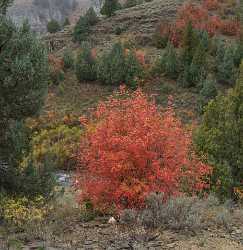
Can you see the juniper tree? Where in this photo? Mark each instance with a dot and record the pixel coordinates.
(53, 26)
(168, 63)
(91, 16)
(189, 44)
(4, 4)
(220, 139)
(109, 7)
(207, 93)
(225, 65)
(23, 87)
(112, 66)
(86, 65)
(81, 30)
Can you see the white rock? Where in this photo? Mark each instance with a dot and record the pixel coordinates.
(112, 220)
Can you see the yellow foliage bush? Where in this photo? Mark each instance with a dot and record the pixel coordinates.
(20, 212)
(58, 145)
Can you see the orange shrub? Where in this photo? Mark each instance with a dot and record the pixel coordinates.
(140, 55)
(230, 28)
(211, 4)
(133, 150)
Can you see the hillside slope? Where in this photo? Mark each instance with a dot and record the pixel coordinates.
(39, 12)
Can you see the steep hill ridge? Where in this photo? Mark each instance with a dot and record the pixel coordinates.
(138, 24)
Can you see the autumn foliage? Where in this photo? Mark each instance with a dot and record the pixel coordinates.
(201, 19)
(130, 150)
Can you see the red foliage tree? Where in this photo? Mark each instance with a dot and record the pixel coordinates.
(211, 4)
(133, 150)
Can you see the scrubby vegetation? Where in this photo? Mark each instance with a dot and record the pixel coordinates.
(53, 26)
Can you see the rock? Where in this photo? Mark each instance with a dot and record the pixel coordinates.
(153, 237)
(171, 245)
(112, 220)
(238, 231)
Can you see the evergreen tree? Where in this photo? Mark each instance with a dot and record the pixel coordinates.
(207, 93)
(112, 66)
(168, 63)
(23, 87)
(53, 26)
(86, 65)
(189, 44)
(225, 68)
(66, 22)
(68, 59)
(116, 67)
(81, 30)
(109, 7)
(91, 16)
(220, 138)
(4, 4)
(133, 70)
(198, 64)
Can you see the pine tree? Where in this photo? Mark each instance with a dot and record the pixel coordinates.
(225, 68)
(81, 30)
(109, 8)
(68, 59)
(86, 65)
(198, 64)
(112, 66)
(189, 44)
(53, 26)
(207, 93)
(66, 22)
(168, 63)
(220, 138)
(4, 4)
(91, 16)
(23, 87)
(133, 70)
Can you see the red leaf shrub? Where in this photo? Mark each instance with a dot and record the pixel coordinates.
(230, 28)
(200, 18)
(211, 4)
(133, 150)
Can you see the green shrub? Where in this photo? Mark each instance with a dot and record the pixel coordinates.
(57, 77)
(91, 16)
(133, 70)
(189, 44)
(53, 26)
(86, 65)
(116, 68)
(23, 87)
(81, 30)
(219, 138)
(168, 63)
(194, 69)
(118, 30)
(226, 71)
(109, 8)
(68, 59)
(66, 22)
(207, 93)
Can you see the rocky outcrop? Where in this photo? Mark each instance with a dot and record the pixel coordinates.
(40, 12)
